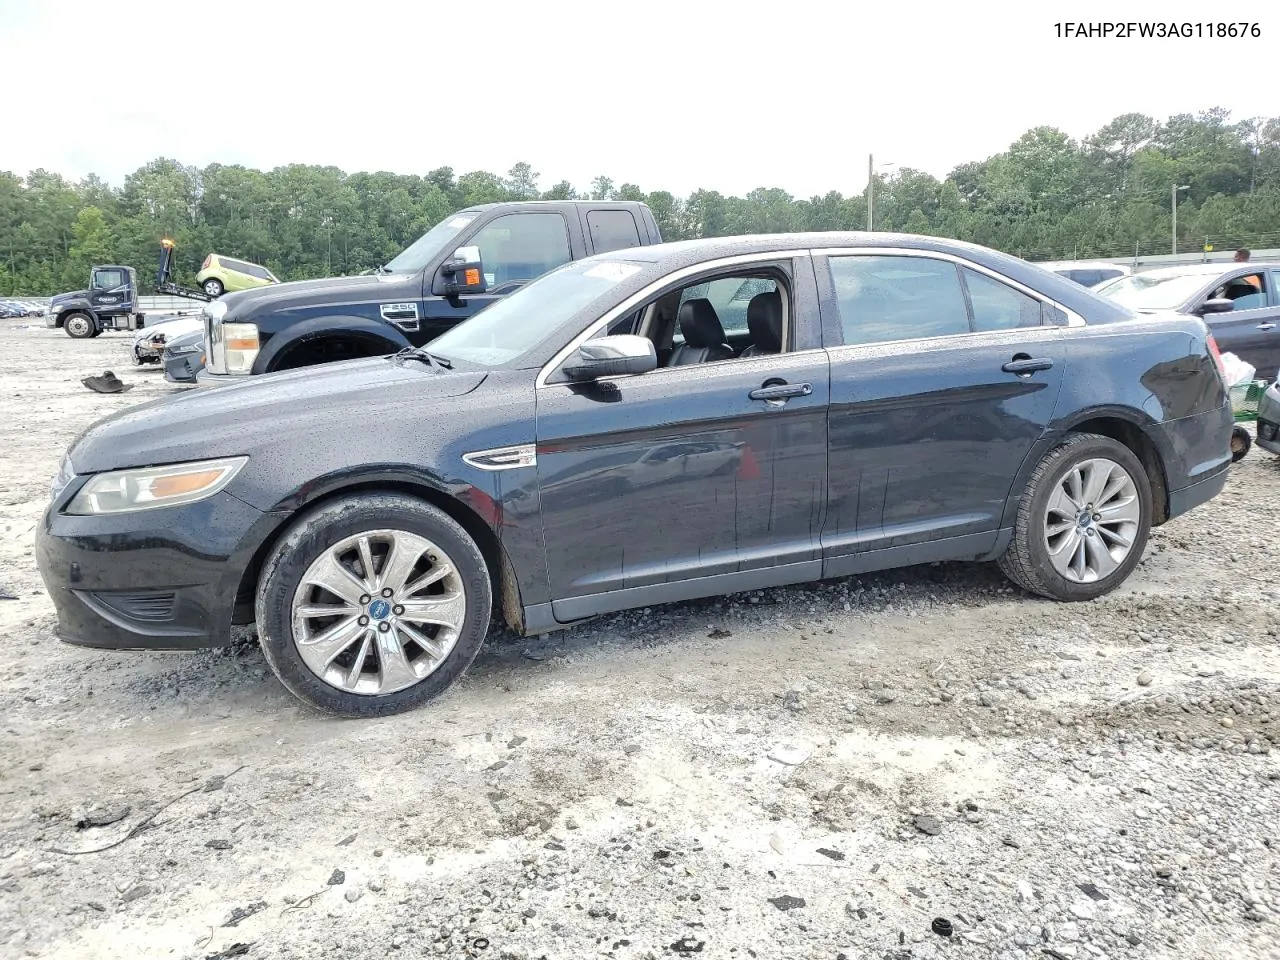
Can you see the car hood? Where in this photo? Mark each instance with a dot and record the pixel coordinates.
(171, 327)
(250, 417)
(301, 293)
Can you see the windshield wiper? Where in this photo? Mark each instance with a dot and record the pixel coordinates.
(421, 354)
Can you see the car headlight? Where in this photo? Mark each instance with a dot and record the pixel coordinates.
(239, 346)
(148, 488)
(64, 476)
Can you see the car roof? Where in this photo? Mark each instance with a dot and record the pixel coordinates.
(1205, 269)
(665, 257)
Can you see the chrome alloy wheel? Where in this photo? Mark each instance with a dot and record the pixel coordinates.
(378, 612)
(78, 326)
(1092, 520)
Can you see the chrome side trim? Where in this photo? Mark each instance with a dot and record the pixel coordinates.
(1073, 319)
(503, 458)
(633, 301)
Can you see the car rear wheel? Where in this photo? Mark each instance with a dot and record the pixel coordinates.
(213, 287)
(1241, 442)
(1082, 522)
(372, 605)
(79, 326)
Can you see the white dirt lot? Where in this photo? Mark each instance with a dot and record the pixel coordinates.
(812, 772)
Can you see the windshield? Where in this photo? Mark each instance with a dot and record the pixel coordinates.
(1146, 291)
(425, 249)
(507, 329)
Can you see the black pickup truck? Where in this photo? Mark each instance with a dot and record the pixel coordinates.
(449, 274)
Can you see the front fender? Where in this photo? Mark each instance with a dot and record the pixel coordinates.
(74, 306)
(317, 327)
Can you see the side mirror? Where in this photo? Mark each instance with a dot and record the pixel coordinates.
(622, 354)
(464, 273)
(1217, 305)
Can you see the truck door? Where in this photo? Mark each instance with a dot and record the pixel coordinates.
(515, 248)
(109, 291)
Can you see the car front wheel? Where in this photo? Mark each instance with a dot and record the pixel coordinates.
(213, 288)
(372, 605)
(1082, 522)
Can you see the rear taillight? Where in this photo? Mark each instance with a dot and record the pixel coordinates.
(207, 260)
(1217, 356)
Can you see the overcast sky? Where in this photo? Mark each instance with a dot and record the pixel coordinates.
(674, 95)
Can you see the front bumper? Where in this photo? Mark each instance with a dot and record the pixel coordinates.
(183, 367)
(1269, 420)
(207, 379)
(150, 580)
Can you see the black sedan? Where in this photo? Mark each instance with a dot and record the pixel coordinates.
(1240, 302)
(597, 442)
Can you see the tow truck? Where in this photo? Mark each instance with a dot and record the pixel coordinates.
(111, 302)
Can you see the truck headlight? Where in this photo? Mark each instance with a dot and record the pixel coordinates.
(239, 346)
(148, 488)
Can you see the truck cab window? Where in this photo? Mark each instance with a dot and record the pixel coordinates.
(612, 230)
(108, 279)
(518, 247)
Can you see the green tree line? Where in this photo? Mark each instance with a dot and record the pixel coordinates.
(1047, 196)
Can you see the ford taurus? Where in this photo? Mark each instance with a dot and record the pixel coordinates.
(598, 441)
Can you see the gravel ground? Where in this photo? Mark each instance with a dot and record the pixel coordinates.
(808, 772)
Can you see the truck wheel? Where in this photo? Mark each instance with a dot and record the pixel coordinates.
(373, 605)
(1082, 522)
(97, 331)
(213, 287)
(79, 326)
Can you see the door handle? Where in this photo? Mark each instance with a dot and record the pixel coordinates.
(1266, 325)
(781, 391)
(1024, 366)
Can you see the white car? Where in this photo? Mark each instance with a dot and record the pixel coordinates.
(1087, 273)
(148, 345)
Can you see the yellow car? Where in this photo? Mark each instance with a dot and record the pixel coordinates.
(218, 274)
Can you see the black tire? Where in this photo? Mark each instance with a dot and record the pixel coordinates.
(97, 332)
(79, 325)
(1241, 443)
(213, 287)
(316, 531)
(1026, 561)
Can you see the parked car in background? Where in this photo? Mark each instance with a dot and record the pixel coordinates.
(1087, 273)
(10, 310)
(183, 356)
(1239, 301)
(150, 342)
(219, 274)
(896, 400)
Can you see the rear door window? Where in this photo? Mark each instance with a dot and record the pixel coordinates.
(612, 230)
(886, 298)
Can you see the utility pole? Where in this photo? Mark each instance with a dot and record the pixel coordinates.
(1173, 206)
(871, 189)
